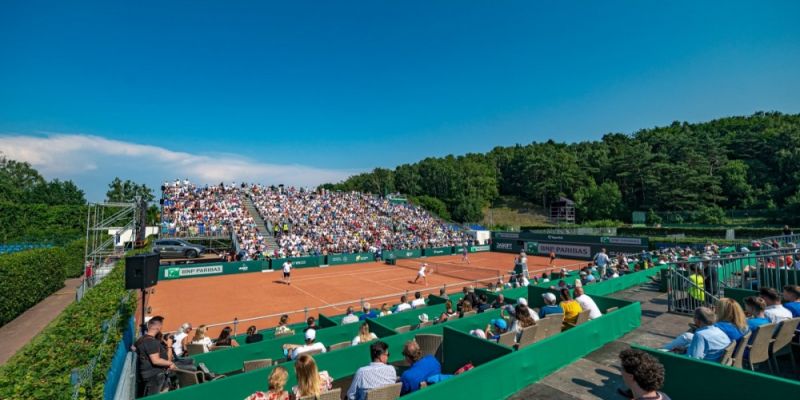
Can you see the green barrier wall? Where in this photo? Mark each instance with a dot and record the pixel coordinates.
(623, 282)
(395, 254)
(411, 317)
(227, 360)
(438, 251)
(325, 321)
(739, 294)
(350, 258)
(298, 262)
(508, 374)
(478, 321)
(688, 378)
(458, 249)
(478, 249)
(168, 272)
(268, 333)
(460, 348)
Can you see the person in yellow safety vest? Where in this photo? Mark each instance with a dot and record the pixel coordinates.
(696, 290)
(285, 227)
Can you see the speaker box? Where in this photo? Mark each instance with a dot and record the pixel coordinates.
(141, 271)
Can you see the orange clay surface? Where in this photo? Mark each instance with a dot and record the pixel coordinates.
(259, 298)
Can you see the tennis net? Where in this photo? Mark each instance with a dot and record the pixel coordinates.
(465, 272)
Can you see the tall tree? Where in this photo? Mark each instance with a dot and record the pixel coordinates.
(128, 191)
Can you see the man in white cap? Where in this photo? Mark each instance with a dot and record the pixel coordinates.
(311, 345)
(550, 306)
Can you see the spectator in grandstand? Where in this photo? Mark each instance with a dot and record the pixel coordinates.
(385, 310)
(571, 308)
(225, 338)
(791, 298)
(466, 307)
(310, 381)
(421, 368)
(403, 305)
(201, 338)
(350, 317)
(295, 351)
(418, 301)
(152, 368)
(483, 303)
(181, 339)
(282, 328)
(311, 323)
(731, 319)
(448, 313)
(276, 383)
(643, 374)
(377, 374)
(499, 302)
(775, 311)
(755, 307)
(523, 301)
(494, 329)
(522, 319)
(471, 296)
(423, 319)
(368, 312)
(364, 335)
(550, 306)
(443, 293)
(587, 303)
(252, 335)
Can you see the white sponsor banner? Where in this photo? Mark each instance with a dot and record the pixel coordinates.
(175, 272)
(565, 250)
(621, 240)
(507, 235)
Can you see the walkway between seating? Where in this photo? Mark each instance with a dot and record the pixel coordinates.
(22, 329)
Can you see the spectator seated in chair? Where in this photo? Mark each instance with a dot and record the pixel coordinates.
(364, 335)
(252, 335)
(310, 381)
(350, 317)
(152, 367)
(550, 306)
(276, 382)
(707, 342)
(293, 351)
(421, 368)
(377, 374)
(775, 311)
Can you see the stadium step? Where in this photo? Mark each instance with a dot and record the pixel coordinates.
(262, 226)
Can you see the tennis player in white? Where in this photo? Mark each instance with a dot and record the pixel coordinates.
(421, 274)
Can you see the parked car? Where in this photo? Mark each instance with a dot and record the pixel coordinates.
(177, 248)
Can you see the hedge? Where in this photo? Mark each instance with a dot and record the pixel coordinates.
(27, 277)
(701, 232)
(41, 369)
(74, 252)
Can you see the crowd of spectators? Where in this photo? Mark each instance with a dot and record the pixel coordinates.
(322, 222)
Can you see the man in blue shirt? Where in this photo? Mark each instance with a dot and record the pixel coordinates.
(791, 298)
(369, 313)
(421, 368)
(709, 342)
(550, 305)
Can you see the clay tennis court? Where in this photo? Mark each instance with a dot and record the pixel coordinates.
(259, 298)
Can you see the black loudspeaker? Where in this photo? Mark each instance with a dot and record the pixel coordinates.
(141, 271)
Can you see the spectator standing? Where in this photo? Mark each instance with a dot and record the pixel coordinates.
(602, 261)
(152, 368)
(421, 368)
(377, 374)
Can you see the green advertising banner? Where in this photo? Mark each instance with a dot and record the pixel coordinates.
(532, 247)
(167, 272)
(477, 249)
(394, 254)
(438, 251)
(350, 258)
(458, 249)
(298, 262)
(506, 246)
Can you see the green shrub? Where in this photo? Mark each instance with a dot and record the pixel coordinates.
(41, 369)
(27, 277)
(74, 252)
(433, 205)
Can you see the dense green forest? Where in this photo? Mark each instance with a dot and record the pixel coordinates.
(730, 163)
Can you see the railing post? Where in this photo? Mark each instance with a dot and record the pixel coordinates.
(235, 324)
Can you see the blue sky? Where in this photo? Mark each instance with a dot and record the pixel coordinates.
(301, 92)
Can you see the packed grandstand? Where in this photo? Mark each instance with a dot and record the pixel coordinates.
(302, 221)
